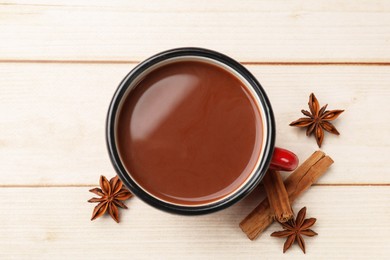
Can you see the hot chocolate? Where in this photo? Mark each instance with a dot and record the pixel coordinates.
(189, 133)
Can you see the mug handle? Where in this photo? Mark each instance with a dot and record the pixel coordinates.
(283, 160)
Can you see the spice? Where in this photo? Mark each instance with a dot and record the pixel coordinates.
(294, 229)
(317, 120)
(299, 181)
(112, 194)
(277, 196)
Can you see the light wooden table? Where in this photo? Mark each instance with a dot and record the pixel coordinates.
(61, 61)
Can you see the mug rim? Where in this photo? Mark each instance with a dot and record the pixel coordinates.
(232, 198)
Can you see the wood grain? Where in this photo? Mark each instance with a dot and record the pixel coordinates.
(53, 115)
(55, 224)
(272, 31)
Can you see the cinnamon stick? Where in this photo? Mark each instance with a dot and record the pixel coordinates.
(277, 196)
(299, 181)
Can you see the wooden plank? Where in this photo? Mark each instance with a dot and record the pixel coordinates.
(53, 116)
(267, 31)
(42, 223)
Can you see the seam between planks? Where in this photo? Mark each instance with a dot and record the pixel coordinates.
(94, 185)
(275, 63)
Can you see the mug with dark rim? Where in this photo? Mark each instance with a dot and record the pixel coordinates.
(270, 156)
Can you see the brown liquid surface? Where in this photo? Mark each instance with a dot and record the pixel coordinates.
(189, 133)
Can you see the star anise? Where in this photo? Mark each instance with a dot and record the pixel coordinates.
(112, 194)
(294, 229)
(318, 120)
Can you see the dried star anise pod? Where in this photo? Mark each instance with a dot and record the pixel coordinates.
(112, 194)
(294, 229)
(318, 120)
